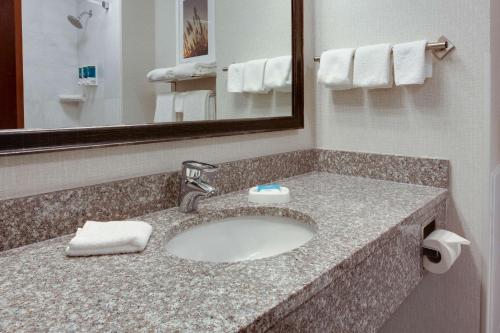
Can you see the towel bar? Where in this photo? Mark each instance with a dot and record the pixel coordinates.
(440, 49)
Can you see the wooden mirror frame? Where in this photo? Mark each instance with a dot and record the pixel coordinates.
(21, 141)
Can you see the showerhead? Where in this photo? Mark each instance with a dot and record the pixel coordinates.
(77, 21)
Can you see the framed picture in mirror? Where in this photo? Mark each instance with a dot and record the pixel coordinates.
(195, 31)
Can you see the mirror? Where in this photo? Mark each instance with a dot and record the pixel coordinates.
(90, 63)
(80, 74)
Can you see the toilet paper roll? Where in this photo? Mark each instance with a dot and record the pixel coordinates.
(448, 244)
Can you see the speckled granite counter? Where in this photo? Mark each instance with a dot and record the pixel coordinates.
(367, 229)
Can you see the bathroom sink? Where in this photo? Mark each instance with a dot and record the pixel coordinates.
(241, 238)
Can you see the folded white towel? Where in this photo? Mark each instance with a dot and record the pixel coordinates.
(196, 105)
(278, 74)
(183, 71)
(372, 67)
(412, 65)
(194, 69)
(102, 238)
(165, 108)
(235, 78)
(179, 102)
(335, 70)
(161, 74)
(253, 77)
(212, 108)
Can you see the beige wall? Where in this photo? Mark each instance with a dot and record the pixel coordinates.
(448, 118)
(165, 38)
(138, 57)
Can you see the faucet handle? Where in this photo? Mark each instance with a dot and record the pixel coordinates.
(199, 165)
(196, 170)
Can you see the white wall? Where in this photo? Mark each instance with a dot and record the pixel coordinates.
(448, 118)
(50, 62)
(250, 30)
(100, 44)
(53, 51)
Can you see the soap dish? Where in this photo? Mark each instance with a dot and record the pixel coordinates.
(269, 197)
(72, 99)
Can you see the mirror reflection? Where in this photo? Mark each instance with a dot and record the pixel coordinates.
(124, 62)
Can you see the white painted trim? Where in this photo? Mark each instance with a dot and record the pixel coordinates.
(493, 292)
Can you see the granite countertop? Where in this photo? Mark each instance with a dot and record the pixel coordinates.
(43, 290)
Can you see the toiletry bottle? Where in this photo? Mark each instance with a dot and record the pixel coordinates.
(86, 76)
(80, 76)
(92, 75)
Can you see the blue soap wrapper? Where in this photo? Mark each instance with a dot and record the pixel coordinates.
(261, 188)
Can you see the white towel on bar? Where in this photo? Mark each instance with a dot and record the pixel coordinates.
(373, 67)
(179, 102)
(196, 105)
(102, 238)
(412, 64)
(253, 77)
(183, 71)
(212, 108)
(278, 74)
(335, 70)
(165, 108)
(235, 78)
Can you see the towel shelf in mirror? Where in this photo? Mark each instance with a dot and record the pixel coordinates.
(194, 77)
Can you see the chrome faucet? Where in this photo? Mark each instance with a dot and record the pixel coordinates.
(195, 184)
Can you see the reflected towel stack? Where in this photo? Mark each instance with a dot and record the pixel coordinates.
(183, 71)
(196, 105)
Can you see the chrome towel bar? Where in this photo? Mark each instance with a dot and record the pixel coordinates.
(440, 49)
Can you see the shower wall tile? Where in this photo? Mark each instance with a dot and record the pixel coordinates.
(53, 51)
(50, 59)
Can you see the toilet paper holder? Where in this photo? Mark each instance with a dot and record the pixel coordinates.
(440, 248)
(433, 255)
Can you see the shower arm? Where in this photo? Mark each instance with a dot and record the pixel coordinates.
(104, 4)
(90, 13)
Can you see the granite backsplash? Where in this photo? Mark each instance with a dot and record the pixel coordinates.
(37, 218)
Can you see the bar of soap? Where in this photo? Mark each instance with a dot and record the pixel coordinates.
(269, 196)
(269, 187)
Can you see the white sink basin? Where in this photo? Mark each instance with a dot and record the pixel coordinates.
(241, 238)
